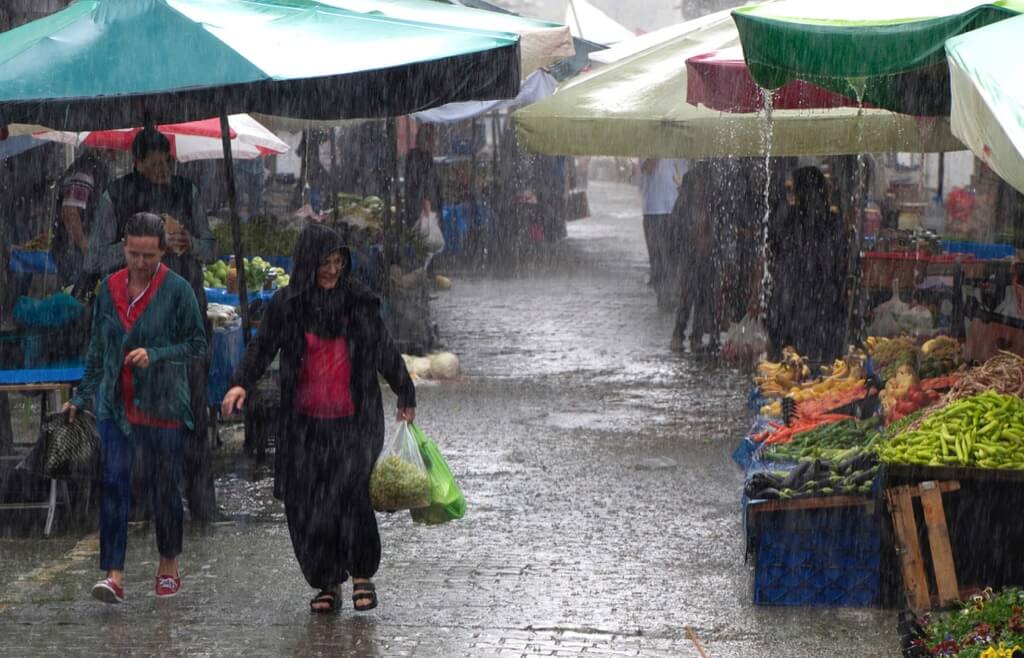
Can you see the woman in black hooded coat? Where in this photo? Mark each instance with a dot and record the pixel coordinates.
(332, 344)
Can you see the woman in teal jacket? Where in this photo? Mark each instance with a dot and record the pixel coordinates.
(146, 329)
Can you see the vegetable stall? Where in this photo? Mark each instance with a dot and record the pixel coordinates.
(831, 453)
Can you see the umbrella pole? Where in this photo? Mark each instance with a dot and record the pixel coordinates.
(236, 244)
(390, 179)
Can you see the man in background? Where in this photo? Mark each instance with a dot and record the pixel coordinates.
(659, 188)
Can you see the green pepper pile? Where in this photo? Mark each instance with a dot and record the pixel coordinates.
(985, 430)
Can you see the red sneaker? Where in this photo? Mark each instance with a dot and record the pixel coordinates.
(108, 591)
(167, 586)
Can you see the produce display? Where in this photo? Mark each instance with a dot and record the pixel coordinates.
(365, 211)
(222, 315)
(396, 484)
(850, 473)
(903, 394)
(39, 243)
(777, 379)
(989, 625)
(257, 272)
(986, 431)
(826, 441)
(257, 238)
(889, 354)
(786, 433)
(939, 356)
(844, 376)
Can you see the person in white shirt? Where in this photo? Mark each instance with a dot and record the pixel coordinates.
(659, 188)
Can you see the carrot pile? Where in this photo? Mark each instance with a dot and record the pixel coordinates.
(785, 433)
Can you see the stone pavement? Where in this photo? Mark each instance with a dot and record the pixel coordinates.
(603, 507)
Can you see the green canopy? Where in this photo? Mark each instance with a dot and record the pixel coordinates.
(637, 107)
(988, 96)
(889, 53)
(106, 63)
(541, 44)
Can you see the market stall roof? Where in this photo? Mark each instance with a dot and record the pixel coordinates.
(637, 107)
(721, 81)
(642, 42)
(106, 63)
(535, 88)
(588, 22)
(541, 43)
(988, 96)
(194, 140)
(890, 54)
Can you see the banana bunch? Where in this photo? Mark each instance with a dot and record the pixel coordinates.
(777, 379)
(39, 243)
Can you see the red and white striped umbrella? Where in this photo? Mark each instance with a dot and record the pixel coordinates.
(195, 140)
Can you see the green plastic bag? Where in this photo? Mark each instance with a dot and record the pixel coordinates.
(446, 500)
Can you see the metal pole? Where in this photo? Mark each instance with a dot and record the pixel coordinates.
(575, 16)
(236, 244)
(389, 193)
(236, 227)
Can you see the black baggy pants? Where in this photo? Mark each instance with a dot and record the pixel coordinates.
(327, 502)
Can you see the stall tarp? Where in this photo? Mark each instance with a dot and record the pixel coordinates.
(637, 108)
(105, 63)
(194, 140)
(588, 22)
(890, 54)
(535, 88)
(642, 42)
(988, 96)
(540, 43)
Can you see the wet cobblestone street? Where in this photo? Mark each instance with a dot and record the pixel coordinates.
(603, 505)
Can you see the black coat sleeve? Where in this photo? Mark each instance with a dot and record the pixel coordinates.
(264, 347)
(390, 363)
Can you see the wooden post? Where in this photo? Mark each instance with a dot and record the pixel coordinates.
(915, 581)
(938, 539)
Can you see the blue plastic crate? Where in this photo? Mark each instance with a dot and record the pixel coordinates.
(981, 250)
(817, 557)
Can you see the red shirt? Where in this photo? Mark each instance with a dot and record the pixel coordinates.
(323, 388)
(129, 310)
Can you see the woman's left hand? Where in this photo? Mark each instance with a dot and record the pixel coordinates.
(407, 414)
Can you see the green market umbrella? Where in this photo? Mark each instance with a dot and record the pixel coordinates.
(987, 111)
(889, 53)
(636, 107)
(541, 44)
(105, 63)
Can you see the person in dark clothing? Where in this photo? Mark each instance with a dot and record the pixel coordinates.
(809, 252)
(152, 188)
(332, 344)
(693, 233)
(422, 185)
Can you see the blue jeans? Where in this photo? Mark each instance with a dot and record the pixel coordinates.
(162, 454)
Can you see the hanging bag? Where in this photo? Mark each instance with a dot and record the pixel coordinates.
(399, 479)
(65, 450)
(446, 500)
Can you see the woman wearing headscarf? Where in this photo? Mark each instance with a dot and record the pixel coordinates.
(811, 257)
(332, 343)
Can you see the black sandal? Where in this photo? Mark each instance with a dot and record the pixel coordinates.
(325, 596)
(361, 592)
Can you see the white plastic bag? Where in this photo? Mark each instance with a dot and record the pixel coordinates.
(894, 317)
(430, 227)
(399, 479)
(744, 341)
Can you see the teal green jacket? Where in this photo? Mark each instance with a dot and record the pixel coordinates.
(170, 329)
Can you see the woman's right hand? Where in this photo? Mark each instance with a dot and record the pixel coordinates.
(234, 399)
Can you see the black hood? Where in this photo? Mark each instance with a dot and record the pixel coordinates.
(314, 244)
